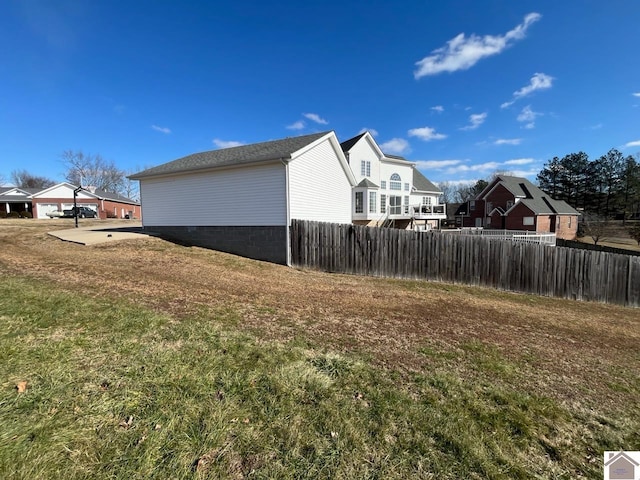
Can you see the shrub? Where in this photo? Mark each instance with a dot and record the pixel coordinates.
(13, 215)
(26, 214)
(111, 214)
(3, 214)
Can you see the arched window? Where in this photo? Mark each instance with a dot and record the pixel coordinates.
(395, 182)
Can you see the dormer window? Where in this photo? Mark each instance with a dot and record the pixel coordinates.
(395, 182)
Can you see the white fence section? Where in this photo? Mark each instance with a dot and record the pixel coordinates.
(523, 236)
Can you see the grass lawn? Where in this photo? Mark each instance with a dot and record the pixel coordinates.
(144, 359)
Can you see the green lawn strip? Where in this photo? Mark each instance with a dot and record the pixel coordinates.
(118, 391)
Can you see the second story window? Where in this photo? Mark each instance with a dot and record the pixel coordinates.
(406, 187)
(395, 182)
(365, 168)
(383, 184)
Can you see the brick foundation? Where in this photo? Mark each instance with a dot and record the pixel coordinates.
(260, 243)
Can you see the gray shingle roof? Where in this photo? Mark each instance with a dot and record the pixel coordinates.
(242, 155)
(538, 202)
(367, 184)
(347, 144)
(116, 197)
(395, 157)
(422, 183)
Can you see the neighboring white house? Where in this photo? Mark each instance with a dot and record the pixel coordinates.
(242, 199)
(390, 189)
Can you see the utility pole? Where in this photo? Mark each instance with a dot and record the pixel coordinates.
(75, 206)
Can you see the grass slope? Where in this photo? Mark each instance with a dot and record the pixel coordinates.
(116, 390)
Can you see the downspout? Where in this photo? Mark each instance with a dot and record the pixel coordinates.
(288, 226)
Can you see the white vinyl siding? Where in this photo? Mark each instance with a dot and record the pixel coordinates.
(64, 191)
(247, 196)
(361, 153)
(319, 188)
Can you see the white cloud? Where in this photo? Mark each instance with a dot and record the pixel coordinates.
(508, 141)
(438, 108)
(525, 173)
(539, 81)
(372, 131)
(314, 117)
(461, 52)
(528, 116)
(635, 143)
(480, 167)
(299, 125)
(436, 164)
(396, 146)
(637, 94)
(519, 161)
(164, 130)
(226, 143)
(476, 120)
(426, 133)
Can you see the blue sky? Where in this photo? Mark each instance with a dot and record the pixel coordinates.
(463, 88)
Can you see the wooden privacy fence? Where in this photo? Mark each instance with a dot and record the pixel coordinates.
(520, 267)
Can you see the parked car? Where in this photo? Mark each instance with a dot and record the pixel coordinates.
(83, 212)
(55, 214)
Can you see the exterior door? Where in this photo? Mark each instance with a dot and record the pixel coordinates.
(395, 205)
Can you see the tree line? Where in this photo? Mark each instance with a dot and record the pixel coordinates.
(607, 187)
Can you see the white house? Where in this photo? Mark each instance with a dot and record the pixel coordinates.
(390, 189)
(242, 199)
(38, 202)
(105, 204)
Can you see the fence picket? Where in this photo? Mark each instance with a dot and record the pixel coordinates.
(473, 260)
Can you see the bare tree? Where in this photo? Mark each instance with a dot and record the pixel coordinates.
(593, 226)
(24, 179)
(448, 191)
(93, 170)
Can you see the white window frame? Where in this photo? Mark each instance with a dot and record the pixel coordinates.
(383, 184)
(528, 221)
(359, 206)
(395, 204)
(395, 182)
(406, 187)
(372, 202)
(365, 168)
(383, 203)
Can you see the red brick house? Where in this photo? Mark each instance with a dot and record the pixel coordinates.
(514, 203)
(105, 204)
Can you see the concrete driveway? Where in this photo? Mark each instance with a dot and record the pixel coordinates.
(96, 234)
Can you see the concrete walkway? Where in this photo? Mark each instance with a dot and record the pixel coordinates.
(96, 234)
